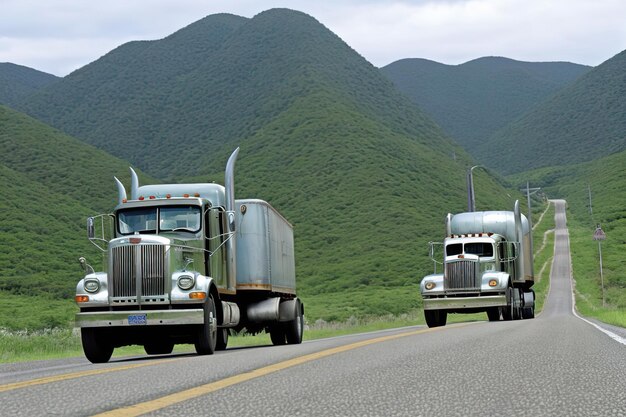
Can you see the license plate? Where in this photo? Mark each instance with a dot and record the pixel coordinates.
(137, 320)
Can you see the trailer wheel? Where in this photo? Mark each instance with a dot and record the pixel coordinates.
(222, 339)
(493, 313)
(95, 345)
(277, 335)
(159, 348)
(295, 328)
(435, 318)
(207, 335)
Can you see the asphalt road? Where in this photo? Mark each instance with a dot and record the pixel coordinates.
(554, 365)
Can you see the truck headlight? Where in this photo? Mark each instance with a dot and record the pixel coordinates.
(92, 285)
(493, 282)
(185, 282)
(430, 285)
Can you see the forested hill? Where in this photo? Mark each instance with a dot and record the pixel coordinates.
(365, 178)
(17, 81)
(49, 184)
(473, 100)
(586, 120)
(212, 84)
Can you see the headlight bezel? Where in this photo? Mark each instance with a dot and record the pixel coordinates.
(92, 285)
(186, 282)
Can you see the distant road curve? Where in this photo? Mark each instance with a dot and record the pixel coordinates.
(554, 365)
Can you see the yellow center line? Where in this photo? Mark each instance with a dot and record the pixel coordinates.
(63, 377)
(162, 402)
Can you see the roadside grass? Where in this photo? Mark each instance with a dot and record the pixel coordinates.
(587, 281)
(543, 246)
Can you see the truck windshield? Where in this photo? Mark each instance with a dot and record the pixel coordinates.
(483, 249)
(479, 248)
(145, 220)
(180, 218)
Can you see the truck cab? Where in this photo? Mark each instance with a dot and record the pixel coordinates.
(483, 271)
(187, 263)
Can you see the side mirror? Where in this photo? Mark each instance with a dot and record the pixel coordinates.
(91, 229)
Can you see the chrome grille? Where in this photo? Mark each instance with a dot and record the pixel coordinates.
(462, 276)
(127, 269)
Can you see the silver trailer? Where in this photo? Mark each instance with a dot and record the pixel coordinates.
(187, 263)
(487, 267)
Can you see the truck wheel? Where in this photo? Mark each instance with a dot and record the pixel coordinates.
(295, 328)
(517, 304)
(207, 335)
(222, 339)
(528, 312)
(435, 318)
(507, 312)
(493, 313)
(159, 348)
(95, 345)
(277, 335)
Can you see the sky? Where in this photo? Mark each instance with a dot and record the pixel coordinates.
(59, 36)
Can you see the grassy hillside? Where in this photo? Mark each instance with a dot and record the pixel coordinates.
(49, 184)
(607, 179)
(584, 121)
(17, 81)
(473, 100)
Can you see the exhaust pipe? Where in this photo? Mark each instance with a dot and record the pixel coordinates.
(449, 225)
(134, 184)
(519, 232)
(121, 191)
(229, 185)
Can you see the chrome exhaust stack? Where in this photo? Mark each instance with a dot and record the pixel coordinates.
(229, 185)
(121, 191)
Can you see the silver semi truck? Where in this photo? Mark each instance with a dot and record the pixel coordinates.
(187, 263)
(487, 267)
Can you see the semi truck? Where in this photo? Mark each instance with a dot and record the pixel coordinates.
(487, 267)
(187, 263)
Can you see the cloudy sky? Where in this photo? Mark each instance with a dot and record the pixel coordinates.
(59, 36)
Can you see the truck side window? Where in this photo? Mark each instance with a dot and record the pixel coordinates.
(454, 249)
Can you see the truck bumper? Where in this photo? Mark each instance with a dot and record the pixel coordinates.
(451, 303)
(139, 318)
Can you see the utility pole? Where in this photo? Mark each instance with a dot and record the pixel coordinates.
(471, 200)
(590, 208)
(599, 235)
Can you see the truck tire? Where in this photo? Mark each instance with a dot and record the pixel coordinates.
(435, 318)
(159, 348)
(528, 312)
(295, 328)
(277, 335)
(508, 311)
(207, 334)
(97, 347)
(222, 339)
(493, 313)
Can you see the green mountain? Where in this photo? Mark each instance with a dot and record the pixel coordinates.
(49, 184)
(473, 100)
(585, 120)
(363, 175)
(17, 81)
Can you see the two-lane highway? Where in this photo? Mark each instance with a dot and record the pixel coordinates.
(556, 365)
